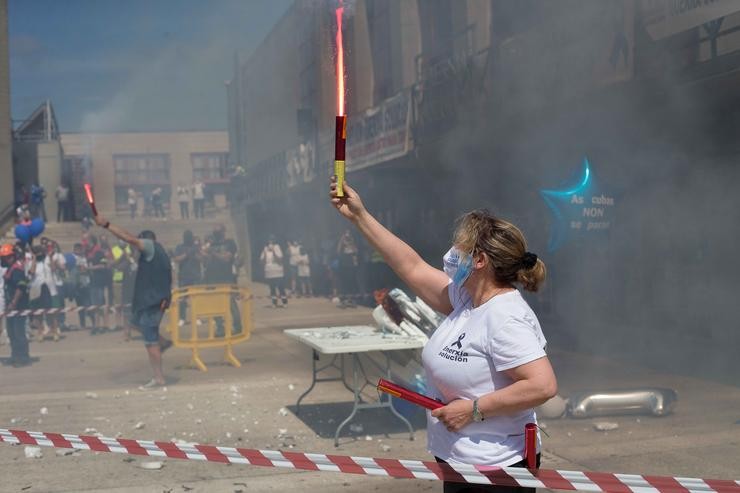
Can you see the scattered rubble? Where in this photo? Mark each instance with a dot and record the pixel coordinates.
(151, 466)
(605, 426)
(385, 447)
(33, 452)
(93, 395)
(283, 411)
(139, 425)
(355, 428)
(44, 411)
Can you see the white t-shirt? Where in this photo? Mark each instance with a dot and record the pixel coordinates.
(465, 359)
(293, 252)
(42, 275)
(304, 265)
(272, 259)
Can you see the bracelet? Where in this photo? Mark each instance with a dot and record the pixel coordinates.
(477, 414)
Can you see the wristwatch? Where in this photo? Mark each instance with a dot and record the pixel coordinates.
(477, 415)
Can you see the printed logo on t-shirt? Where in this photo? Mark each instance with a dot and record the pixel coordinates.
(458, 354)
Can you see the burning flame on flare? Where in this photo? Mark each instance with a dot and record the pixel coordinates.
(340, 61)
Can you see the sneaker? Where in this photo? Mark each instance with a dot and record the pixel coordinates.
(151, 384)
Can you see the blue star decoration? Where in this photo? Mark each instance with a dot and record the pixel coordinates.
(576, 208)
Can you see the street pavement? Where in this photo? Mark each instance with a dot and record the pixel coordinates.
(90, 382)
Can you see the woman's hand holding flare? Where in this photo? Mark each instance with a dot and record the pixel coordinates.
(455, 415)
(350, 206)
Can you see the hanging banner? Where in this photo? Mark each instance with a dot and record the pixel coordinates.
(379, 134)
(663, 18)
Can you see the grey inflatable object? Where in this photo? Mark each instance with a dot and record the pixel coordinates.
(651, 401)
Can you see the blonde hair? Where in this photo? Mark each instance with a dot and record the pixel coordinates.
(504, 244)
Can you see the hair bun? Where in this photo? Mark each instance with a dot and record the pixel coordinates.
(529, 260)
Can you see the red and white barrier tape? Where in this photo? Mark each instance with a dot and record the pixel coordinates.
(67, 309)
(396, 468)
(114, 308)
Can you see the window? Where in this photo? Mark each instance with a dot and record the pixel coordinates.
(142, 169)
(209, 167)
(143, 173)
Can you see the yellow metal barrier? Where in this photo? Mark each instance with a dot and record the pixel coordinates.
(219, 315)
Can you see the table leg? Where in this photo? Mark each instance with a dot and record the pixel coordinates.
(355, 407)
(390, 401)
(314, 359)
(344, 380)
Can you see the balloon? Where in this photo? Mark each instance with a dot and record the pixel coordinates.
(37, 227)
(23, 233)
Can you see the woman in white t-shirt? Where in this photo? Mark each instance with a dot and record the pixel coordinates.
(487, 360)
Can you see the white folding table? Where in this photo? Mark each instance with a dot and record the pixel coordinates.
(352, 340)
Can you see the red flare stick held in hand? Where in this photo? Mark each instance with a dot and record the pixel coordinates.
(340, 134)
(530, 445)
(90, 199)
(408, 395)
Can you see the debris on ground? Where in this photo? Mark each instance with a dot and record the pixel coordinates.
(65, 452)
(93, 395)
(605, 426)
(33, 452)
(139, 425)
(385, 447)
(151, 466)
(283, 411)
(90, 430)
(356, 428)
(44, 411)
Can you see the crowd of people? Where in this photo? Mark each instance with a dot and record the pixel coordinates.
(155, 200)
(98, 272)
(346, 270)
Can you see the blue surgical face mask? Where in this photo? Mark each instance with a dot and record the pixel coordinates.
(457, 265)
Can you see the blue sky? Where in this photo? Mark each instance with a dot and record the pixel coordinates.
(137, 65)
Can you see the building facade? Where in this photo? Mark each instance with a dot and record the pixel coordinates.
(604, 129)
(6, 163)
(116, 162)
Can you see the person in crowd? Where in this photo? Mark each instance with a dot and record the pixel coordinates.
(133, 202)
(272, 263)
(42, 290)
(81, 282)
(62, 196)
(303, 263)
(293, 252)
(348, 255)
(97, 265)
(120, 255)
(220, 254)
(189, 267)
(157, 205)
(38, 196)
(152, 293)
(199, 199)
(105, 247)
(15, 284)
(487, 360)
(183, 198)
(3, 333)
(59, 273)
